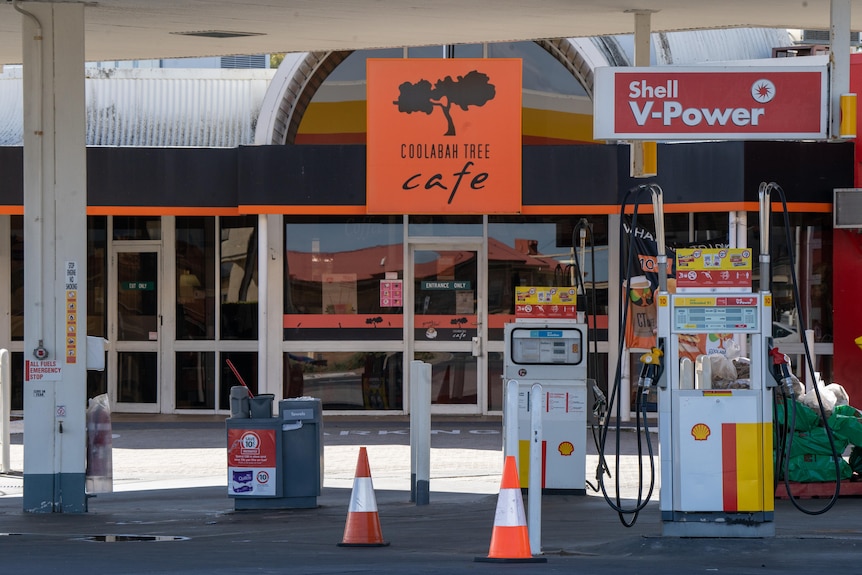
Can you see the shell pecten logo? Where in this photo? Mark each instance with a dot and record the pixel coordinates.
(700, 431)
(566, 448)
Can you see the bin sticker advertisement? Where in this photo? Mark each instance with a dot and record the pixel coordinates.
(251, 462)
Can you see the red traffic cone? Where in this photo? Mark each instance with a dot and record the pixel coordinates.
(510, 542)
(363, 524)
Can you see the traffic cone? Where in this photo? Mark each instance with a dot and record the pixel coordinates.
(363, 524)
(510, 542)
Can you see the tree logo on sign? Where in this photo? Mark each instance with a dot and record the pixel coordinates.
(472, 89)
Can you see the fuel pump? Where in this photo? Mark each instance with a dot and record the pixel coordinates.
(715, 428)
(550, 353)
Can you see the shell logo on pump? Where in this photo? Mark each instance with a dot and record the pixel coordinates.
(700, 432)
(566, 448)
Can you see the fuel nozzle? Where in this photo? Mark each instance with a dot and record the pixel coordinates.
(651, 368)
(781, 371)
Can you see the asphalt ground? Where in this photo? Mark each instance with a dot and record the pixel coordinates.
(170, 513)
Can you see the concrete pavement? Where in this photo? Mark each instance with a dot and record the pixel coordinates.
(171, 504)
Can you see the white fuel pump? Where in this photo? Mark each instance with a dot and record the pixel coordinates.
(715, 436)
(552, 353)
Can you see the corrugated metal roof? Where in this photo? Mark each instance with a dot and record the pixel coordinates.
(686, 48)
(208, 108)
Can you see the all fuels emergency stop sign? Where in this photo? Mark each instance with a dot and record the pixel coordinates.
(711, 102)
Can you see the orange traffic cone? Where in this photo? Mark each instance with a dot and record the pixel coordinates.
(363, 523)
(510, 542)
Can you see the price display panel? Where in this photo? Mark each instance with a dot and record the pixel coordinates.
(724, 314)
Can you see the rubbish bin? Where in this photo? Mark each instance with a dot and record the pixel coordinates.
(302, 449)
(277, 462)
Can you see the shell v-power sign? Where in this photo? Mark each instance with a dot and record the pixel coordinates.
(711, 102)
(444, 136)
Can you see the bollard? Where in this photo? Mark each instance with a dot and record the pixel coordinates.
(420, 432)
(534, 490)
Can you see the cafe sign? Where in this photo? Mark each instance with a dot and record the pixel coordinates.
(711, 102)
(443, 136)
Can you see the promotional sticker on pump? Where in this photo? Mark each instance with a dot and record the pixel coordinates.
(714, 268)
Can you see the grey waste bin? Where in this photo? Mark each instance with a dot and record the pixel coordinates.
(301, 449)
(277, 462)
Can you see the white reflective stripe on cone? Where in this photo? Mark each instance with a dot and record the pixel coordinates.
(510, 509)
(363, 496)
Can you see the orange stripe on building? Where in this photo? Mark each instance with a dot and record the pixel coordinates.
(343, 320)
(160, 211)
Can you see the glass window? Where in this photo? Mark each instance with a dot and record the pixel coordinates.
(195, 380)
(346, 271)
(449, 226)
(137, 227)
(16, 364)
(238, 272)
(97, 263)
(346, 380)
(810, 239)
(195, 277)
(541, 251)
(246, 366)
(336, 113)
(16, 277)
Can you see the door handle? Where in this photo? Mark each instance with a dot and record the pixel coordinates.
(477, 346)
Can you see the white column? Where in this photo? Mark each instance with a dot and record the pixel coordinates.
(271, 256)
(55, 226)
(839, 61)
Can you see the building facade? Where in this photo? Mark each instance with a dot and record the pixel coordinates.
(259, 249)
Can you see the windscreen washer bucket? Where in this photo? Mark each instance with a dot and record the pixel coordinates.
(239, 402)
(261, 405)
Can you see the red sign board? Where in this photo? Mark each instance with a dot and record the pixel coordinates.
(716, 102)
(546, 311)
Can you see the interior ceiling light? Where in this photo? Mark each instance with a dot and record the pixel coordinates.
(218, 34)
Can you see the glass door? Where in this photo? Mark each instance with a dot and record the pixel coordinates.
(135, 328)
(445, 327)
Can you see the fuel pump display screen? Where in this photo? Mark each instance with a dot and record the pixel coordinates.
(717, 314)
(546, 346)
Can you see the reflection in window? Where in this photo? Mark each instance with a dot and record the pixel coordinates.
(16, 278)
(137, 227)
(336, 265)
(445, 226)
(346, 380)
(195, 273)
(97, 263)
(195, 380)
(238, 273)
(246, 365)
(810, 238)
(538, 251)
(336, 114)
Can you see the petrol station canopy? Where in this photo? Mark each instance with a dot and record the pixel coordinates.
(154, 29)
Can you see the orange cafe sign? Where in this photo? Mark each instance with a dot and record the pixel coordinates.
(444, 136)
